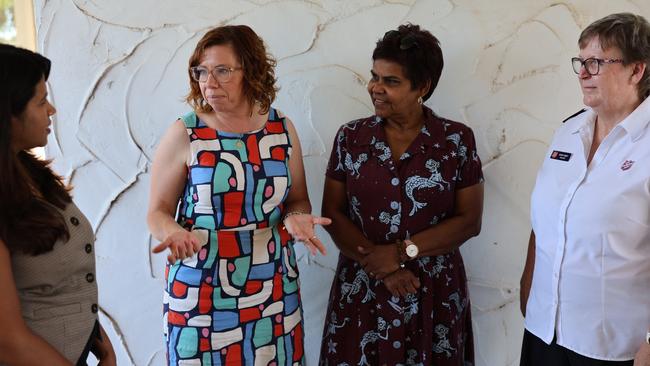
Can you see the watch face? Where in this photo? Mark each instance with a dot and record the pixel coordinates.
(412, 250)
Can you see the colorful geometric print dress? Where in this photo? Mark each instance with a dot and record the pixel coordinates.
(236, 302)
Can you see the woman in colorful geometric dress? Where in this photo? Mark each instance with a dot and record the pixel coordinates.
(404, 190)
(235, 164)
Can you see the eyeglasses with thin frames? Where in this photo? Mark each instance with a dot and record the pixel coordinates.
(221, 74)
(592, 64)
(406, 42)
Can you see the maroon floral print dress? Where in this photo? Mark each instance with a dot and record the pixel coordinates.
(387, 200)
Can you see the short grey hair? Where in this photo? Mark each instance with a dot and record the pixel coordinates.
(628, 32)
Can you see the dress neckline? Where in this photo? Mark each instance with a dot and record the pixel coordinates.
(271, 113)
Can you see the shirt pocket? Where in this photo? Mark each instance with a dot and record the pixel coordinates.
(57, 311)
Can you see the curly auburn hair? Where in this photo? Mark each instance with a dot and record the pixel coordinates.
(257, 66)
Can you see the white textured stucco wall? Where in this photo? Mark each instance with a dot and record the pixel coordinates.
(119, 79)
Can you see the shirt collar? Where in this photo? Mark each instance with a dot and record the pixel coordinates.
(637, 121)
(585, 120)
(634, 124)
(433, 130)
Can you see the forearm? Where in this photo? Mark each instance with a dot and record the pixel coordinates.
(446, 236)
(346, 235)
(527, 275)
(162, 224)
(24, 348)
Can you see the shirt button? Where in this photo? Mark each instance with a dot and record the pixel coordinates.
(88, 248)
(394, 229)
(239, 144)
(90, 277)
(394, 181)
(94, 308)
(74, 221)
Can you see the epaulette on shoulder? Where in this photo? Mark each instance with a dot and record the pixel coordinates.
(575, 114)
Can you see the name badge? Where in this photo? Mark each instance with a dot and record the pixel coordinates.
(560, 155)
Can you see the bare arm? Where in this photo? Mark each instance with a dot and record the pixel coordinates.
(301, 227)
(455, 230)
(348, 238)
(438, 239)
(642, 357)
(168, 178)
(527, 276)
(168, 175)
(344, 232)
(18, 344)
(298, 198)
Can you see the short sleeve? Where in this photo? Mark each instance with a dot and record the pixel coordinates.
(470, 171)
(335, 166)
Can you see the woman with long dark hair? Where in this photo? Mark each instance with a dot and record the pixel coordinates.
(48, 306)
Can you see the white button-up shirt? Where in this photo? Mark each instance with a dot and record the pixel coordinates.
(591, 284)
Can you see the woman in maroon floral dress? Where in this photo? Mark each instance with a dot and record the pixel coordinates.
(404, 191)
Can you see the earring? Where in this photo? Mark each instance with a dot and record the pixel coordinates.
(420, 101)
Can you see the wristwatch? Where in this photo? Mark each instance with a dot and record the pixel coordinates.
(647, 338)
(411, 249)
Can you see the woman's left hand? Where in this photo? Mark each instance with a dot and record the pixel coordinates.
(107, 361)
(301, 228)
(379, 260)
(642, 357)
(401, 283)
(103, 350)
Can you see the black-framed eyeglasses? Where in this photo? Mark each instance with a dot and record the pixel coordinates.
(221, 74)
(592, 64)
(405, 43)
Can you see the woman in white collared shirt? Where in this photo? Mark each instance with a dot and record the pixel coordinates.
(585, 290)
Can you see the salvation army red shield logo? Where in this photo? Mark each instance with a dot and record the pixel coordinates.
(627, 164)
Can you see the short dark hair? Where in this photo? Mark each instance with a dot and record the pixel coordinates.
(257, 65)
(417, 51)
(628, 32)
(28, 224)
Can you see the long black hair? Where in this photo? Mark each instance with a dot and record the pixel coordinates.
(30, 192)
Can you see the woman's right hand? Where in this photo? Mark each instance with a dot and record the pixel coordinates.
(301, 228)
(402, 282)
(182, 244)
(379, 260)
